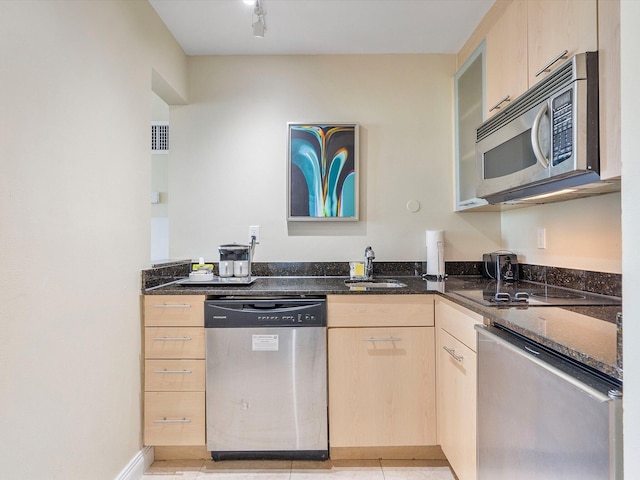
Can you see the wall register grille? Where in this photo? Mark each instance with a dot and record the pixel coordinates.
(160, 137)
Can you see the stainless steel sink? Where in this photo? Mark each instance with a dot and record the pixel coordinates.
(375, 283)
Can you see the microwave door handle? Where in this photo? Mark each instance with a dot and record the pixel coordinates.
(535, 143)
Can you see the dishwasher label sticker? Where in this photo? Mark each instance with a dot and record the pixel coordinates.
(264, 343)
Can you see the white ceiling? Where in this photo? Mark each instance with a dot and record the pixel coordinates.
(312, 27)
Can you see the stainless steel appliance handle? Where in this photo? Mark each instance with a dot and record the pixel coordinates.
(537, 151)
(601, 397)
(172, 371)
(173, 305)
(497, 105)
(172, 339)
(388, 339)
(547, 67)
(452, 352)
(173, 420)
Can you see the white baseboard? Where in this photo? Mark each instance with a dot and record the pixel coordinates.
(139, 464)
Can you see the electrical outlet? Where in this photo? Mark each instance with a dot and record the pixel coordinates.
(254, 231)
(542, 238)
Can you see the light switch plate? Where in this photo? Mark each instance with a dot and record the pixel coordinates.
(542, 238)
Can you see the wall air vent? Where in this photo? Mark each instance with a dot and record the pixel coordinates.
(160, 137)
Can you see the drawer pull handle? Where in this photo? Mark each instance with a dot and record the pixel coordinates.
(452, 352)
(497, 105)
(173, 305)
(547, 67)
(172, 371)
(172, 339)
(173, 420)
(388, 339)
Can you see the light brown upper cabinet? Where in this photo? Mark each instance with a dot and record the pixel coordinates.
(506, 57)
(558, 29)
(530, 39)
(609, 68)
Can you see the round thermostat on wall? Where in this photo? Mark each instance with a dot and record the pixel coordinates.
(413, 206)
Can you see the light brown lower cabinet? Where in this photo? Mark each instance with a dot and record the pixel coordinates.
(381, 377)
(174, 370)
(456, 385)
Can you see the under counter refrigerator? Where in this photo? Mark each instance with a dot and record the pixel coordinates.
(542, 417)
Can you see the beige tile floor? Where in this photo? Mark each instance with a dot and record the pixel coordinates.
(299, 470)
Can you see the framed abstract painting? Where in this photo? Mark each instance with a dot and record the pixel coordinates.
(322, 171)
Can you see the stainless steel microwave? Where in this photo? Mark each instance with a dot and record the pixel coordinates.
(546, 141)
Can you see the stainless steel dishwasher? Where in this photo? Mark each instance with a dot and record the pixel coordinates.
(542, 416)
(266, 393)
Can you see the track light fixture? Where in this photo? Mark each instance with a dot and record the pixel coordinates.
(259, 25)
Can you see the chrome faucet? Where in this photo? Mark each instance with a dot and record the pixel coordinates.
(369, 255)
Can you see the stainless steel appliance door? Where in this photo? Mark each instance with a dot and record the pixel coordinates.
(506, 159)
(536, 422)
(266, 389)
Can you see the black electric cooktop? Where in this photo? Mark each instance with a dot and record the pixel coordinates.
(525, 294)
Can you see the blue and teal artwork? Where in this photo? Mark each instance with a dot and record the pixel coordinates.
(322, 172)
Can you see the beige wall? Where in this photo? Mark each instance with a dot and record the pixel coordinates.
(630, 40)
(74, 217)
(229, 149)
(228, 157)
(582, 233)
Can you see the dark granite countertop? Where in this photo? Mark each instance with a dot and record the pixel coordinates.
(588, 334)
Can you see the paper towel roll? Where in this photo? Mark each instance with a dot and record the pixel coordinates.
(435, 252)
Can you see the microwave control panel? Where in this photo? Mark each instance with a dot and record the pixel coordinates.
(562, 123)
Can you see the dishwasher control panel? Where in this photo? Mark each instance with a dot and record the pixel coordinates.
(280, 312)
(299, 318)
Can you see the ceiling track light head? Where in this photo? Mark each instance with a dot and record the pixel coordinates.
(258, 29)
(258, 10)
(259, 26)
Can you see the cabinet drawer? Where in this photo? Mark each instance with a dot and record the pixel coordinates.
(458, 321)
(380, 310)
(174, 418)
(174, 342)
(174, 375)
(174, 310)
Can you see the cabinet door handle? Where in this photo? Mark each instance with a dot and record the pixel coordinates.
(547, 67)
(172, 339)
(173, 420)
(386, 339)
(497, 105)
(467, 203)
(172, 371)
(173, 305)
(452, 352)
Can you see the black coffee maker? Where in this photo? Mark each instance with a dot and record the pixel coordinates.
(500, 265)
